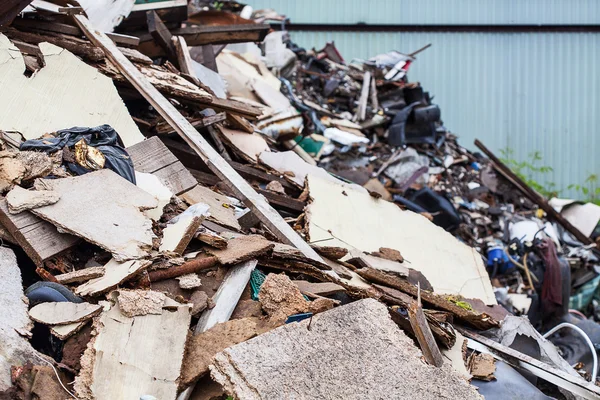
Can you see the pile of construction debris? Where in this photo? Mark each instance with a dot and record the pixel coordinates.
(192, 206)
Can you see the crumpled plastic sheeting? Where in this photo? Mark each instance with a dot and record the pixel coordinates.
(104, 138)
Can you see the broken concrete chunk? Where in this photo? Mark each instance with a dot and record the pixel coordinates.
(15, 324)
(63, 313)
(388, 254)
(139, 302)
(280, 298)
(189, 281)
(12, 170)
(81, 275)
(105, 209)
(242, 248)
(115, 274)
(276, 186)
(201, 348)
(482, 366)
(352, 352)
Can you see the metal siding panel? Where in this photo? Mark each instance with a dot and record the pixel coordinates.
(436, 11)
(527, 92)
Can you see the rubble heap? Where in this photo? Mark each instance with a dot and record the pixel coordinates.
(193, 206)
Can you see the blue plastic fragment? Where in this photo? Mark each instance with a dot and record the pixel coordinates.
(298, 317)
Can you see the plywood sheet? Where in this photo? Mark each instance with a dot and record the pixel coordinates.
(105, 209)
(220, 207)
(134, 356)
(66, 92)
(346, 218)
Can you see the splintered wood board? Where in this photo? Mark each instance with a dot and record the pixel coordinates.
(340, 216)
(38, 238)
(132, 357)
(105, 209)
(66, 92)
(153, 157)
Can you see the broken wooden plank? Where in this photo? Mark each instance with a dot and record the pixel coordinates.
(161, 34)
(242, 249)
(163, 128)
(115, 274)
(477, 320)
(153, 157)
(532, 195)
(218, 143)
(63, 313)
(136, 354)
(122, 40)
(240, 123)
(244, 191)
(36, 25)
(361, 112)
(201, 35)
(423, 333)
(227, 296)
(119, 227)
(10, 9)
(184, 60)
(81, 275)
(38, 238)
(60, 81)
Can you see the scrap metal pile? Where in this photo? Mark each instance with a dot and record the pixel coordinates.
(194, 207)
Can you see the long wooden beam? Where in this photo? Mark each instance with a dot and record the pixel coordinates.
(532, 194)
(267, 215)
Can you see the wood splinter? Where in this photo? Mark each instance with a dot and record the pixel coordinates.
(418, 321)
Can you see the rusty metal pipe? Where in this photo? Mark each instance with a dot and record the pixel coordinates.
(195, 265)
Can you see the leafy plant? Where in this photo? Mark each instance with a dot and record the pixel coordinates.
(526, 170)
(590, 189)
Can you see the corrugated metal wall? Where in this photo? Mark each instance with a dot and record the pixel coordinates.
(524, 91)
